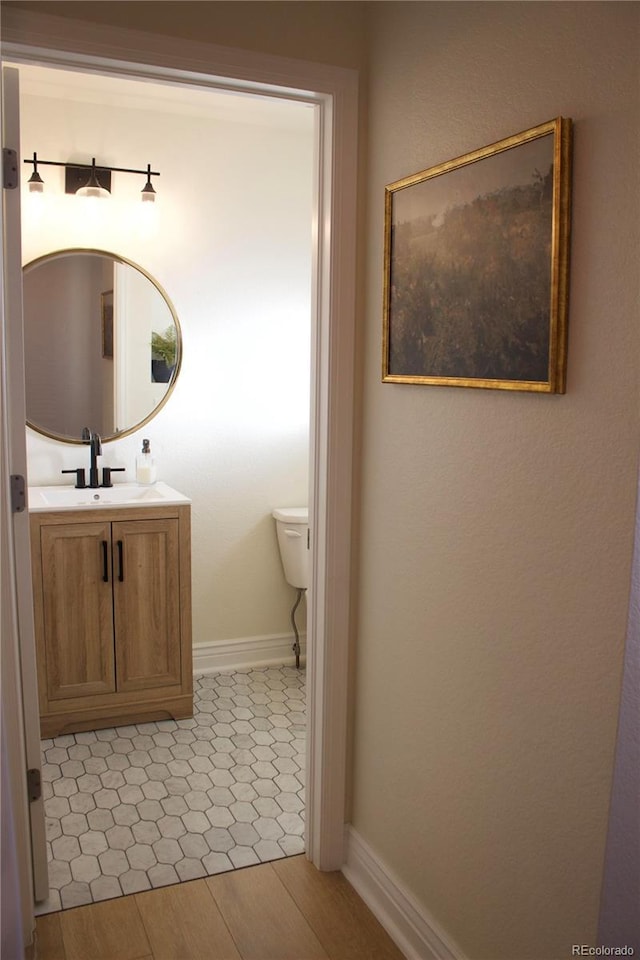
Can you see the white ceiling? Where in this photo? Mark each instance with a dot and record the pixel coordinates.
(165, 97)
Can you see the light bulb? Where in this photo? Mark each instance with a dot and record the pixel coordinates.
(94, 191)
(92, 187)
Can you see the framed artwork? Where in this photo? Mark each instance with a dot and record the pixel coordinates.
(106, 313)
(476, 265)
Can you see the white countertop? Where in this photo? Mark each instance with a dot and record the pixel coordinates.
(63, 497)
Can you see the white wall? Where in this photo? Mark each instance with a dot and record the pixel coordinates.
(235, 259)
(496, 530)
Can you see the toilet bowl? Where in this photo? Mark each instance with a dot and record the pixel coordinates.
(292, 525)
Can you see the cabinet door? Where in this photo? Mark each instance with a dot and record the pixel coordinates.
(78, 609)
(146, 589)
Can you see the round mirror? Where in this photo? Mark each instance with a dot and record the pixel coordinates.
(102, 344)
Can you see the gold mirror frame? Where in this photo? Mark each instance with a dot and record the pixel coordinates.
(107, 341)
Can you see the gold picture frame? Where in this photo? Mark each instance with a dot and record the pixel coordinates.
(476, 267)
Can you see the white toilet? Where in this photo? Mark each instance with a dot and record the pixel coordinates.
(292, 528)
(292, 525)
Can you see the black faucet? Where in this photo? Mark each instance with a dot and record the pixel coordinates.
(93, 439)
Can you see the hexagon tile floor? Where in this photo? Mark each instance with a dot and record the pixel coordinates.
(142, 806)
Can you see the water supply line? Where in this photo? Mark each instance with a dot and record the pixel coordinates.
(296, 642)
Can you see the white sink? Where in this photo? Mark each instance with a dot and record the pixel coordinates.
(119, 495)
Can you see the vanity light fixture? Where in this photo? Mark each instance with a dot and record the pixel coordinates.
(88, 180)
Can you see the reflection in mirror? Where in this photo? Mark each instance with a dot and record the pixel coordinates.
(102, 344)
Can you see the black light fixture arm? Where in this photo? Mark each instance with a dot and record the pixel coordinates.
(36, 161)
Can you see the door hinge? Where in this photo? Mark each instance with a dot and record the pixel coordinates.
(308, 538)
(34, 784)
(18, 493)
(9, 168)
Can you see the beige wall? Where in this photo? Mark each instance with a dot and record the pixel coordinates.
(496, 529)
(313, 30)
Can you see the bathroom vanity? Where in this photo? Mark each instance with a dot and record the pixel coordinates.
(112, 605)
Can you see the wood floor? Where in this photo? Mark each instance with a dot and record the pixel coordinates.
(286, 910)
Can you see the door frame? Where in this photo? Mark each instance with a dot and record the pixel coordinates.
(20, 720)
(54, 41)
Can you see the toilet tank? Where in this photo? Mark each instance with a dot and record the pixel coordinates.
(292, 525)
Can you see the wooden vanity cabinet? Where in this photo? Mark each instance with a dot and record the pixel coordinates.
(112, 603)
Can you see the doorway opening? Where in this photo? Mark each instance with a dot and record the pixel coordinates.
(134, 807)
(334, 92)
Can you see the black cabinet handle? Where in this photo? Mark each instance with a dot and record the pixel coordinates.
(105, 561)
(120, 561)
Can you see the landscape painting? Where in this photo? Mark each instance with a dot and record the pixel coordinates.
(476, 267)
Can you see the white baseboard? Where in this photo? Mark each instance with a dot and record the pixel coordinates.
(244, 652)
(410, 926)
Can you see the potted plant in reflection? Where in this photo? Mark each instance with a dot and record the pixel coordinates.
(163, 355)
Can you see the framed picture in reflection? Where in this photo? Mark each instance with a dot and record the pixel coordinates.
(106, 313)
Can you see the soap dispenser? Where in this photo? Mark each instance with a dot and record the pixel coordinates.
(146, 471)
